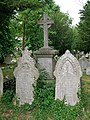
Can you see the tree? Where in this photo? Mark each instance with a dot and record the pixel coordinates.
(61, 34)
(23, 26)
(28, 19)
(76, 42)
(84, 28)
(8, 8)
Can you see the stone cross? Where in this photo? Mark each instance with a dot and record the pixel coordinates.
(46, 23)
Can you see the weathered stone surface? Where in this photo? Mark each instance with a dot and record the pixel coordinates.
(45, 58)
(8, 59)
(25, 73)
(83, 63)
(45, 55)
(88, 71)
(67, 73)
(46, 22)
(1, 82)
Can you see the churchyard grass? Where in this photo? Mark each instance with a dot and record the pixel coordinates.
(45, 107)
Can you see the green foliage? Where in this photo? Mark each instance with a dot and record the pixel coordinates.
(76, 42)
(7, 97)
(6, 43)
(20, 24)
(61, 34)
(45, 107)
(26, 24)
(7, 11)
(60, 111)
(10, 85)
(8, 71)
(43, 91)
(84, 28)
(26, 27)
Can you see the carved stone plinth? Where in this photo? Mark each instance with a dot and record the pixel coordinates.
(45, 58)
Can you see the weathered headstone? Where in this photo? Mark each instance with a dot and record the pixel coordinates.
(8, 59)
(1, 82)
(88, 71)
(25, 73)
(77, 55)
(67, 73)
(45, 55)
(89, 55)
(83, 63)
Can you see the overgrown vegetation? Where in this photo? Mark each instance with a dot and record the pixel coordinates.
(44, 107)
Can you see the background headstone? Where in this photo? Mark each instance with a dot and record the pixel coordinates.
(8, 59)
(83, 63)
(1, 82)
(88, 71)
(25, 73)
(67, 73)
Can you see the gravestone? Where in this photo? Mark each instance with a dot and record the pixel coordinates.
(83, 63)
(67, 73)
(1, 82)
(45, 55)
(25, 73)
(89, 55)
(88, 71)
(8, 59)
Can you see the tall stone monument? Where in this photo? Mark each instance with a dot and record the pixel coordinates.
(25, 73)
(45, 55)
(1, 82)
(67, 73)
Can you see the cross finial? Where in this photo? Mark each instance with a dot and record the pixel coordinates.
(46, 23)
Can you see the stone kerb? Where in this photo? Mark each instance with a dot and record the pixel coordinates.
(67, 73)
(1, 82)
(25, 73)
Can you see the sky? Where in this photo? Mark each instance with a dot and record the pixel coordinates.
(72, 7)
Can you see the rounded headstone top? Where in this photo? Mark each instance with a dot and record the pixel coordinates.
(67, 52)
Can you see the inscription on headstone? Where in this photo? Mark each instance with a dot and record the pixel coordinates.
(67, 73)
(25, 73)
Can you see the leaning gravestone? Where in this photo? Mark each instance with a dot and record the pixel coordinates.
(25, 73)
(67, 73)
(1, 82)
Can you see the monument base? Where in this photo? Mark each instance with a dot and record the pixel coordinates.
(45, 58)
